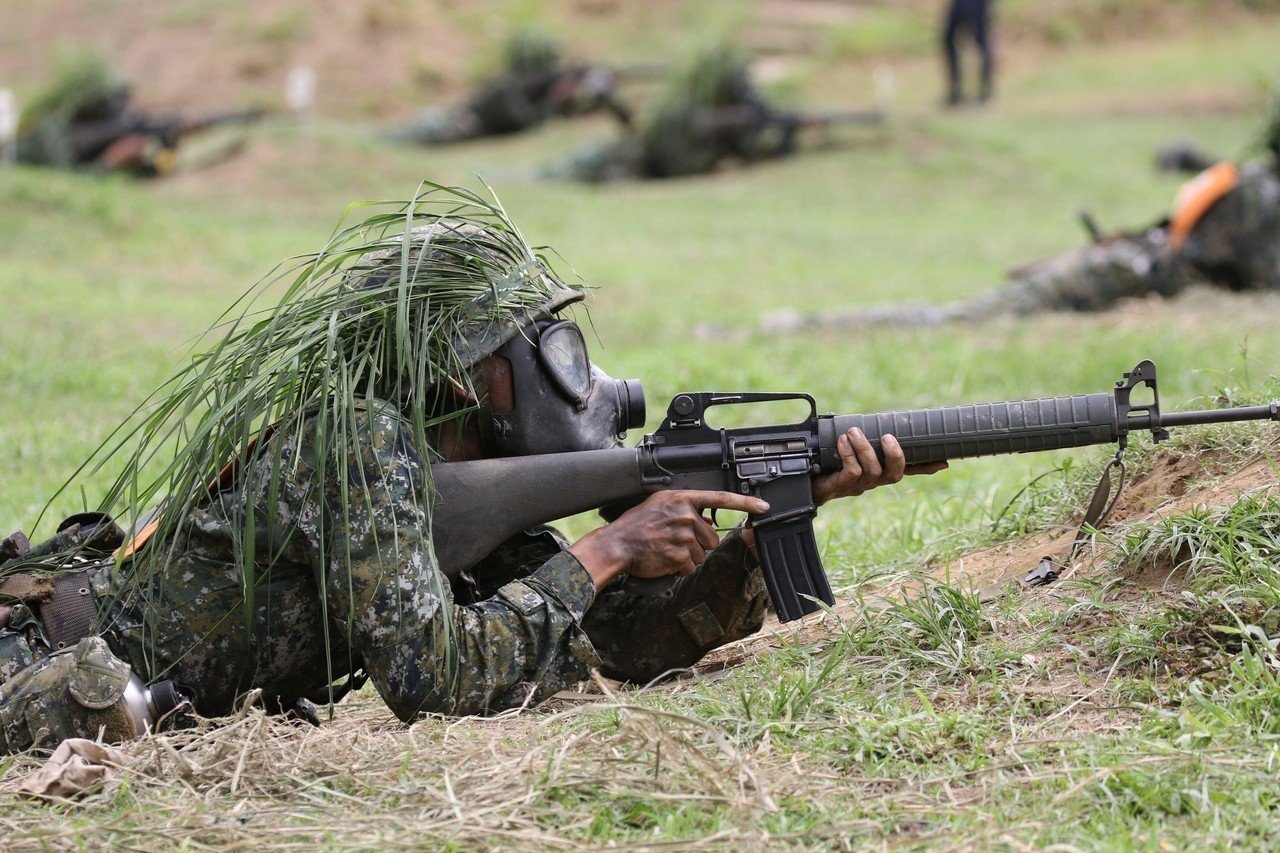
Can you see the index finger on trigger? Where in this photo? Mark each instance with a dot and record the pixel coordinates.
(706, 499)
(705, 533)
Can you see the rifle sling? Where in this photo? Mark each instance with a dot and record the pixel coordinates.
(1095, 516)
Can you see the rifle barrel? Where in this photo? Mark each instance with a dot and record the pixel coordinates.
(1269, 412)
(1023, 426)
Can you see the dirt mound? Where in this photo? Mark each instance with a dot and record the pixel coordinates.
(1175, 483)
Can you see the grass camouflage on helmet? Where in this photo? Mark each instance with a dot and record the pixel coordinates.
(397, 306)
(80, 82)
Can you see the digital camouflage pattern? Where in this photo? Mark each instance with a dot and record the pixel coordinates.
(523, 624)
(77, 692)
(384, 605)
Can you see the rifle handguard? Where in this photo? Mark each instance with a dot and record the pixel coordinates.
(982, 429)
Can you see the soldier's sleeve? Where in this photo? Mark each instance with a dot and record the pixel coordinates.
(387, 595)
(644, 628)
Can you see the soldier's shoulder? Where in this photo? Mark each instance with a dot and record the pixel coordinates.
(370, 415)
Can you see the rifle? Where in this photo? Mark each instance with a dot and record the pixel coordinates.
(482, 503)
(146, 145)
(714, 121)
(88, 139)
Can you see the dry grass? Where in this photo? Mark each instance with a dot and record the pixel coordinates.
(933, 719)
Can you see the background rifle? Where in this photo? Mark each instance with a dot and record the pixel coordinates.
(91, 139)
(480, 504)
(715, 121)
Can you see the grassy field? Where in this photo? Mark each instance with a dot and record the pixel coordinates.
(1132, 707)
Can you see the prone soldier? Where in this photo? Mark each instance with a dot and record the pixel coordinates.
(536, 86)
(84, 120)
(712, 114)
(309, 557)
(1224, 231)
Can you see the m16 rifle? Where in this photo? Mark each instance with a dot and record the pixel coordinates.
(135, 142)
(482, 503)
(719, 121)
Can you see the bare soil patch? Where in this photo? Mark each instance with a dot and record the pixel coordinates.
(1175, 483)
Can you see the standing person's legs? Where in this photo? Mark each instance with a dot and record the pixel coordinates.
(950, 30)
(982, 36)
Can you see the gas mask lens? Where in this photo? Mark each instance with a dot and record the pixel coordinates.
(563, 353)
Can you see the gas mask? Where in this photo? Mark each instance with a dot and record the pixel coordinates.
(545, 395)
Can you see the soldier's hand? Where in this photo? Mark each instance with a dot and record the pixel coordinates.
(665, 535)
(861, 470)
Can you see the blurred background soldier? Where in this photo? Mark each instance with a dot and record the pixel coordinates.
(1224, 232)
(84, 120)
(713, 112)
(537, 85)
(974, 18)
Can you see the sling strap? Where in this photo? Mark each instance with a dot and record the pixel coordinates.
(1100, 507)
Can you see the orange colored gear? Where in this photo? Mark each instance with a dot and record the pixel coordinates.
(1197, 196)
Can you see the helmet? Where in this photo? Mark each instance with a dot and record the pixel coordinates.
(85, 87)
(503, 285)
(528, 51)
(539, 393)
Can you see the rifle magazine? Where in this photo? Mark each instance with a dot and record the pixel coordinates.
(792, 568)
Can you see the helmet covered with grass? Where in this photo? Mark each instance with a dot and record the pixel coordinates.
(531, 51)
(84, 88)
(399, 307)
(717, 77)
(467, 287)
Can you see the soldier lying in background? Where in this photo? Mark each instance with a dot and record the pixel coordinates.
(84, 121)
(713, 113)
(1224, 232)
(536, 86)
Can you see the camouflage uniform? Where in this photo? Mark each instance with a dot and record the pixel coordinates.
(1237, 243)
(1090, 278)
(347, 568)
(679, 143)
(77, 136)
(714, 115)
(506, 105)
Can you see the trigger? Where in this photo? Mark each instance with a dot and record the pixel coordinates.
(714, 522)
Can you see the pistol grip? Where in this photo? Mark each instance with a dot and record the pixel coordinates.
(792, 567)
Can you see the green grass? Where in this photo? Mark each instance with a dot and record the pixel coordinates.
(1095, 714)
